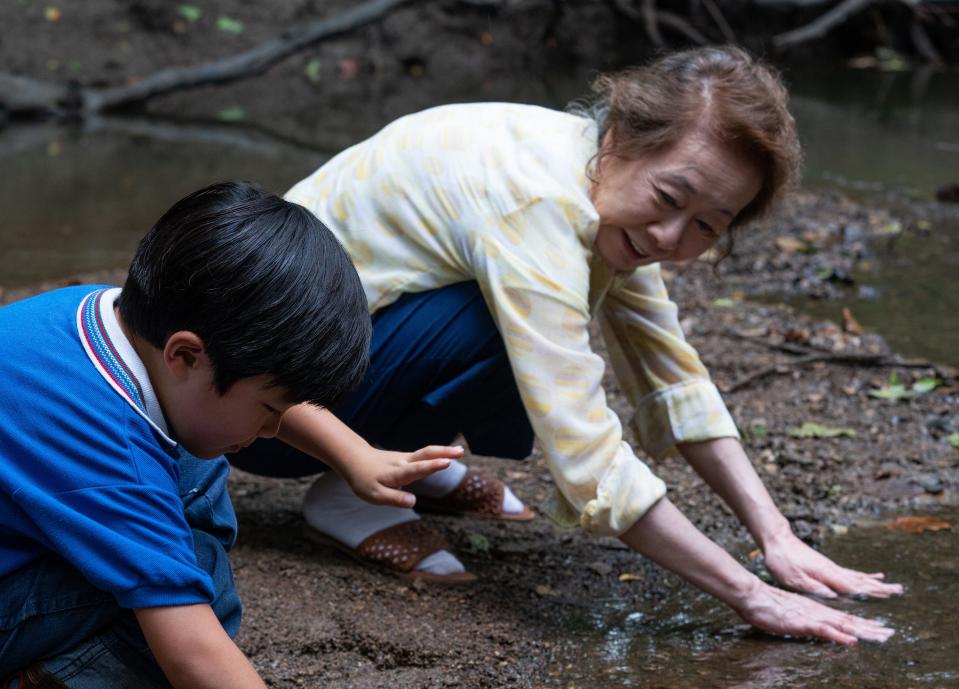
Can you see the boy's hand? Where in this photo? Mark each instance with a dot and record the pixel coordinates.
(377, 475)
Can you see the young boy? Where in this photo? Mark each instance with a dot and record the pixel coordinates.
(115, 410)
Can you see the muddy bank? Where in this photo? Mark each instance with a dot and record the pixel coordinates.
(315, 618)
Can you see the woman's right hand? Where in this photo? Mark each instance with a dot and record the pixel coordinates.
(784, 613)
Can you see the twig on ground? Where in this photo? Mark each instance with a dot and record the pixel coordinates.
(808, 356)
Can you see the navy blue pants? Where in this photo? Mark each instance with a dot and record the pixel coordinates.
(438, 367)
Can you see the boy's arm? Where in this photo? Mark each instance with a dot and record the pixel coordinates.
(193, 650)
(374, 475)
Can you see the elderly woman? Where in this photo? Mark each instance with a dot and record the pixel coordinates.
(487, 237)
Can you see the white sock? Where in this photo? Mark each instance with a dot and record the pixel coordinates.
(331, 507)
(444, 482)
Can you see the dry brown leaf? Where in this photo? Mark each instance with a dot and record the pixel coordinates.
(849, 322)
(917, 524)
(788, 245)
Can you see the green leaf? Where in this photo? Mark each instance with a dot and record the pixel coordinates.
(724, 302)
(312, 70)
(234, 113)
(954, 440)
(228, 25)
(815, 430)
(477, 542)
(890, 228)
(891, 392)
(896, 391)
(190, 12)
(924, 385)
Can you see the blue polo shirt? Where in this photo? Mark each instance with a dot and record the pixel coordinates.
(88, 469)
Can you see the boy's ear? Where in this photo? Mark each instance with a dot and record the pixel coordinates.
(183, 353)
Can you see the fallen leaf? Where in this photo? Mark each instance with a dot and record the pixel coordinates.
(191, 13)
(815, 430)
(924, 385)
(790, 245)
(797, 335)
(229, 25)
(629, 576)
(849, 322)
(312, 70)
(477, 542)
(917, 524)
(347, 68)
(897, 391)
(890, 228)
(233, 113)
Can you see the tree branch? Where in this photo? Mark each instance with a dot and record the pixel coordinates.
(821, 25)
(28, 96)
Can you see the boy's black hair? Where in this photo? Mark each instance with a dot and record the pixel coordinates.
(263, 282)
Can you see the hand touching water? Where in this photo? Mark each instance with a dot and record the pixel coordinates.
(800, 568)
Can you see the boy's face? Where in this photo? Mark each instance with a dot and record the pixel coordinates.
(205, 422)
(208, 424)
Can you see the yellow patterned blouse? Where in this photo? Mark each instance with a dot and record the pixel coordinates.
(498, 193)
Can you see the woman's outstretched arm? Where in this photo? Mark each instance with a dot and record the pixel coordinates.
(665, 536)
(723, 464)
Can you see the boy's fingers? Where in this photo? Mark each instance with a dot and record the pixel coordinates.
(437, 451)
(416, 470)
(395, 498)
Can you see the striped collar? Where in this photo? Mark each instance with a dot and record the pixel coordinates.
(116, 360)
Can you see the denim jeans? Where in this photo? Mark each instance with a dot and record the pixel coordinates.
(50, 613)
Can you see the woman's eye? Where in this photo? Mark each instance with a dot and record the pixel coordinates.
(666, 198)
(707, 229)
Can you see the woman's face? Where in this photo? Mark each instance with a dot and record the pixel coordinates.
(672, 205)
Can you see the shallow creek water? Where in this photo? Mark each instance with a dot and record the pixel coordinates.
(690, 641)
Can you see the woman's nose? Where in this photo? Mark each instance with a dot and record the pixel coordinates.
(666, 234)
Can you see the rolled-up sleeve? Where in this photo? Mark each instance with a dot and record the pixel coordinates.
(673, 398)
(538, 297)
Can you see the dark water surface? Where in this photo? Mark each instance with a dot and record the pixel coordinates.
(690, 641)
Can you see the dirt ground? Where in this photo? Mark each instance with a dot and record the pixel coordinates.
(314, 617)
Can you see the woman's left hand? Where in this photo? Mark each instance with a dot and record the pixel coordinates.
(800, 568)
